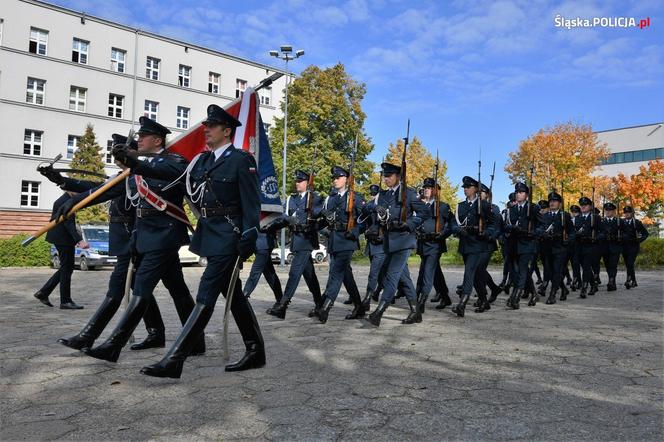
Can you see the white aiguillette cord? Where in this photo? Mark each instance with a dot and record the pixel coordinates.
(229, 301)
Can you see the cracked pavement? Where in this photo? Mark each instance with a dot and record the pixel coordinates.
(578, 370)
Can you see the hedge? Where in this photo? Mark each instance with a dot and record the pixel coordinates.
(12, 254)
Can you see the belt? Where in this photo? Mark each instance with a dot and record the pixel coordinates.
(121, 219)
(429, 236)
(219, 211)
(143, 213)
(339, 227)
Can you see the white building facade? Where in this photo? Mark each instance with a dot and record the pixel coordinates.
(61, 69)
(631, 148)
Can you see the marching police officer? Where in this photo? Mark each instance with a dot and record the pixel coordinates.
(224, 186)
(611, 246)
(301, 213)
(557, 232)
(160, 231)
(523, 223)
(587, 236)
(574, 213)
(431, 242)
(506, 247)
(265, 243)
(474, 225)
(633, 235)
(374, 234)
(399, 240)
(341, 245)
(498, 231)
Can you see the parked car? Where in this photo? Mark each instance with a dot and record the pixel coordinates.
(319, 255)
(94, 256)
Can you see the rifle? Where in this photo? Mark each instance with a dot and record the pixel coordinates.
(350, 201)
(436, 197)
(404, 210)
(493, 173)
(310, 188)
(592, 213)
(480, 228)
(562, 212)
(530, 197)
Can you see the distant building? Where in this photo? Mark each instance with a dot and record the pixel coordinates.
(61, 69)
(631, 147)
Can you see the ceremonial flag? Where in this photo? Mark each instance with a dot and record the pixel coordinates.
(251, 137)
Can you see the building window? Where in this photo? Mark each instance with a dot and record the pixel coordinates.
(118, 59)
(38, 41)
(151, 109)
(108, 157)
(635, 156)
(152, 68)
(184, 76)
(72, 145)
(115, 103)
(29, 194)
(240, 87)
(266, 96)
(79, 51)
(182, 120)
(213, 83)
(35, 92)
(32, 143)
(77, 96)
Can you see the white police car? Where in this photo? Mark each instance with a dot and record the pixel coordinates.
(94, 256)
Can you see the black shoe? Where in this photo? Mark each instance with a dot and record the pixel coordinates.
(348, 301)
(611, 285)
(460, 308)
(494, 294)
(313, 312)
(552, 298)
(563, 293)
(171, 364)
(414, 317)
(584, 290)
(111, 348)
(375, 316)
(43, 298)
(593, 289)
(155, 339)
(628, 284)
(374, 296)
(533, 300)
(477, 303)
(515, 297)
(324, 311)
(94, 327)
(70, 305)
(443, 303)
(358, 312)
(278, 310)
(254, 357)
(541, 290)
(484, 306)
(366, 301)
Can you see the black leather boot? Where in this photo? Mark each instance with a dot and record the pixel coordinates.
(552, 296)
(483, 306)
(534, 297)
(414, 317)
(375, 316)
(278, 310)
(366, 301)
(155, 339)
(584, 290)
(576, 284)
(611, 286)
(422, 302)
(94, 327)
(184, 305)
(111, 348)
(358, 311)
(324, 311)
(444, 302)
(436, 297)
(460, 308)
(593, 289)
(43, 298)
(564, 291)
(494, 294)
(254, 355)
(171, 364)
(515, 298)
(348, 301)
(541, 290)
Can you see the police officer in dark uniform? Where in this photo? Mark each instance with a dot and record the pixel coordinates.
(507, 247)
(342, 243)
(223, 184)
(633, 235)
(573, 252)
(65, 237)
(498, 230)
(374, 234)
(474, 225)
(265, 243)
(557, 232)
(431, 244)
(304, 239)
(611, 246)
(121, 225)
(158, 235)
(587, 237)
(523, 222)
(399, 240)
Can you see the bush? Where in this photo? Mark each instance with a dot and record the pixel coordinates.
(12, 254)
(651, 254)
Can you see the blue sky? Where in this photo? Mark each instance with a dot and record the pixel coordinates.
(467, 73)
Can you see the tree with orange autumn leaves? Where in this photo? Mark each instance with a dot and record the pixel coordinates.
(643, 191)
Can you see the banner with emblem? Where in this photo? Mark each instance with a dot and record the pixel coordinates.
(251, 136)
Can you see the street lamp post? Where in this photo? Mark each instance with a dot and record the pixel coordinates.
(285, 53)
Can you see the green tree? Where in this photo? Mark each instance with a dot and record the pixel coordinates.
(325, 113)
(420, 164)
(88, 156)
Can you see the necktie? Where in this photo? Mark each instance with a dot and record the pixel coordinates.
(210, 161)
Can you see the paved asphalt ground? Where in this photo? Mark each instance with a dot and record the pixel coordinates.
(578, 370)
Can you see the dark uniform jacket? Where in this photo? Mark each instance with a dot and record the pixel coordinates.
(65, 233)
(122, 217)
(552, 229)
(303, 228)
(633, 231)
(336, 219)
(231, 184)
(524, 229)
(587, 229)
(428, 243)
(416, 213)
(371, 228)
(466, 223)
(611, 234)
